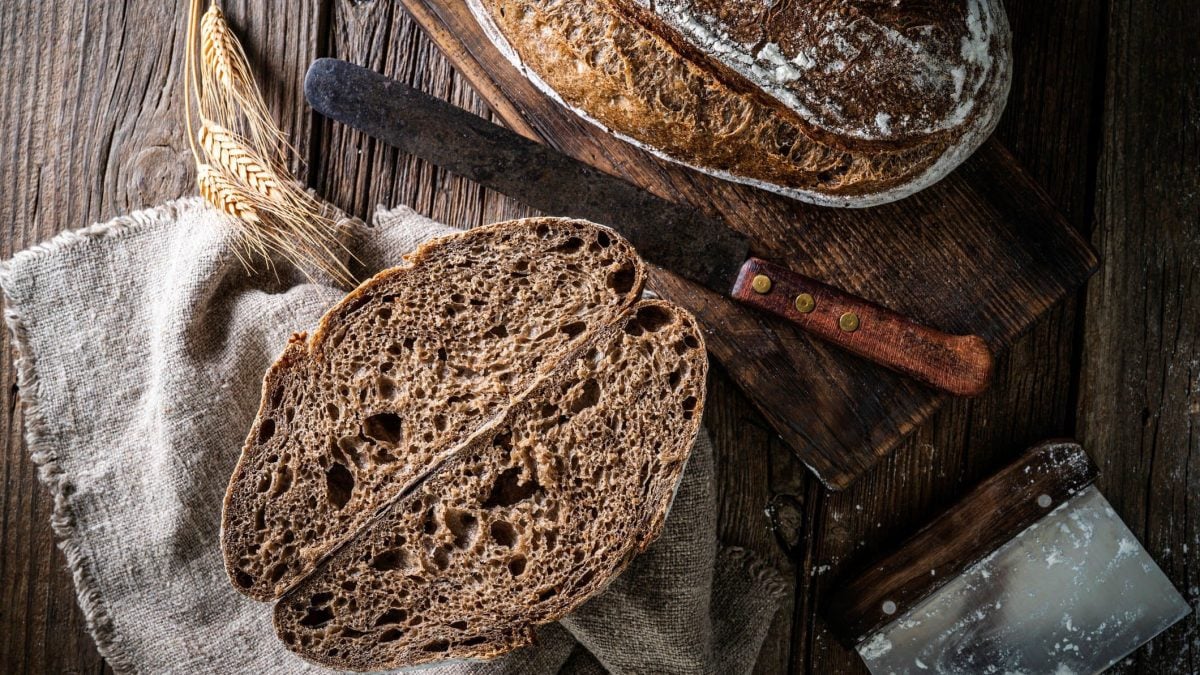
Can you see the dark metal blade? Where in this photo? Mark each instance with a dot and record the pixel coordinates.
(674, 236)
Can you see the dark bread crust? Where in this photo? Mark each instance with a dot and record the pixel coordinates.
(868, 132)
(370, 401)
(529, 520)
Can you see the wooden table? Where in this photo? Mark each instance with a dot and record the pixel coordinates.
(1104, 112)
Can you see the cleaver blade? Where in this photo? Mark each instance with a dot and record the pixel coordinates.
(1070, 594)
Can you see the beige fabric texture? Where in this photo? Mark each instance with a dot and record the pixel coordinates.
(141, 346)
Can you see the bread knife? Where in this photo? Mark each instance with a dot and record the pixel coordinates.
(678, 237)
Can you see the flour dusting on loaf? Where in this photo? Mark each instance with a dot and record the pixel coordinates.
(839, 103)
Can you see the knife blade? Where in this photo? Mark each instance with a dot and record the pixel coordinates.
(681, 238)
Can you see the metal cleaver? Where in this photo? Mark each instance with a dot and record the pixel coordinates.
(680, 238)
(1032, 572)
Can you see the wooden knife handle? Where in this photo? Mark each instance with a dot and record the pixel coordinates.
(959, 364)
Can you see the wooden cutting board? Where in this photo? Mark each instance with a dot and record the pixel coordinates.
(983, 251)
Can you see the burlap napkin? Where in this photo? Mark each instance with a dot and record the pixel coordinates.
(141, 347)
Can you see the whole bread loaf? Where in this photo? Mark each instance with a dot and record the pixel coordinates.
(468, 446)
(843, 102)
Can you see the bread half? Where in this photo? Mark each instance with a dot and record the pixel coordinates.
(467, 447)
(400, 372)
(535, 515)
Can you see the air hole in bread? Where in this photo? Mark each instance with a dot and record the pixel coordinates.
(437, 646)
(441, 558)
(471, 642)
(674, 378)
(542, 230)
(384, 314)
(277, 572)
(260, 518)
(244, 580)
(691, 341)
(463, 525)
(603, 239)
(621, 280)
(339, 485)
(516, 565)
(387, 388)
(654, 318)
(585, 579)
(547, 593)
(498, 331)
(393, 615)
(503, 533)
(689, 407)
(383, 427)
(573, 329)
(266, 430)
(333, 411)
(571, 245)
(350, 633)
(509, 489)
(391, 635)
(391, 559)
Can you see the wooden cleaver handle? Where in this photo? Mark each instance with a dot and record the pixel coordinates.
(959, 364)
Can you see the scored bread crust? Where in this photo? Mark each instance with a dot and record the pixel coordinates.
(528, 520)
(364, 407)
(677, 85)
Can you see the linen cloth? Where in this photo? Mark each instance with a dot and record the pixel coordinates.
(141, 346)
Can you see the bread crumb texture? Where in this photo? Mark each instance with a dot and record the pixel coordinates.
(467, 447)
(845, 98)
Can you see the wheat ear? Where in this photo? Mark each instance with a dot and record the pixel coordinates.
(241, 155)
(228, 86)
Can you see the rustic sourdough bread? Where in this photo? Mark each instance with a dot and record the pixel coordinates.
(844, 103)
(469, 446)
(531, 518)
(400, 371)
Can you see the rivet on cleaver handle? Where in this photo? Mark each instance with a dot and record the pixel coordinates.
(679, 238)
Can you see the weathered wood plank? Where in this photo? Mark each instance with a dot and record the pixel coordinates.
(91, 123)
(1139, 407)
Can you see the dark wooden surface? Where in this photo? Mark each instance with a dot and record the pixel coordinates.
(983, 252)
(1105, 114)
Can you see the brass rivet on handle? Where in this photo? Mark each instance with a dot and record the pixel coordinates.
(848, 322)
(761, 284)
(805, 303)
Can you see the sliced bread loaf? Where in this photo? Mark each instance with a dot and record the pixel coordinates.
(400, 373)
(532, 516)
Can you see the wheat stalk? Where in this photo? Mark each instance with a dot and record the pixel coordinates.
(241, 155)
(228, 87)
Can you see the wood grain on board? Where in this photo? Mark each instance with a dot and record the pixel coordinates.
(983, 252)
